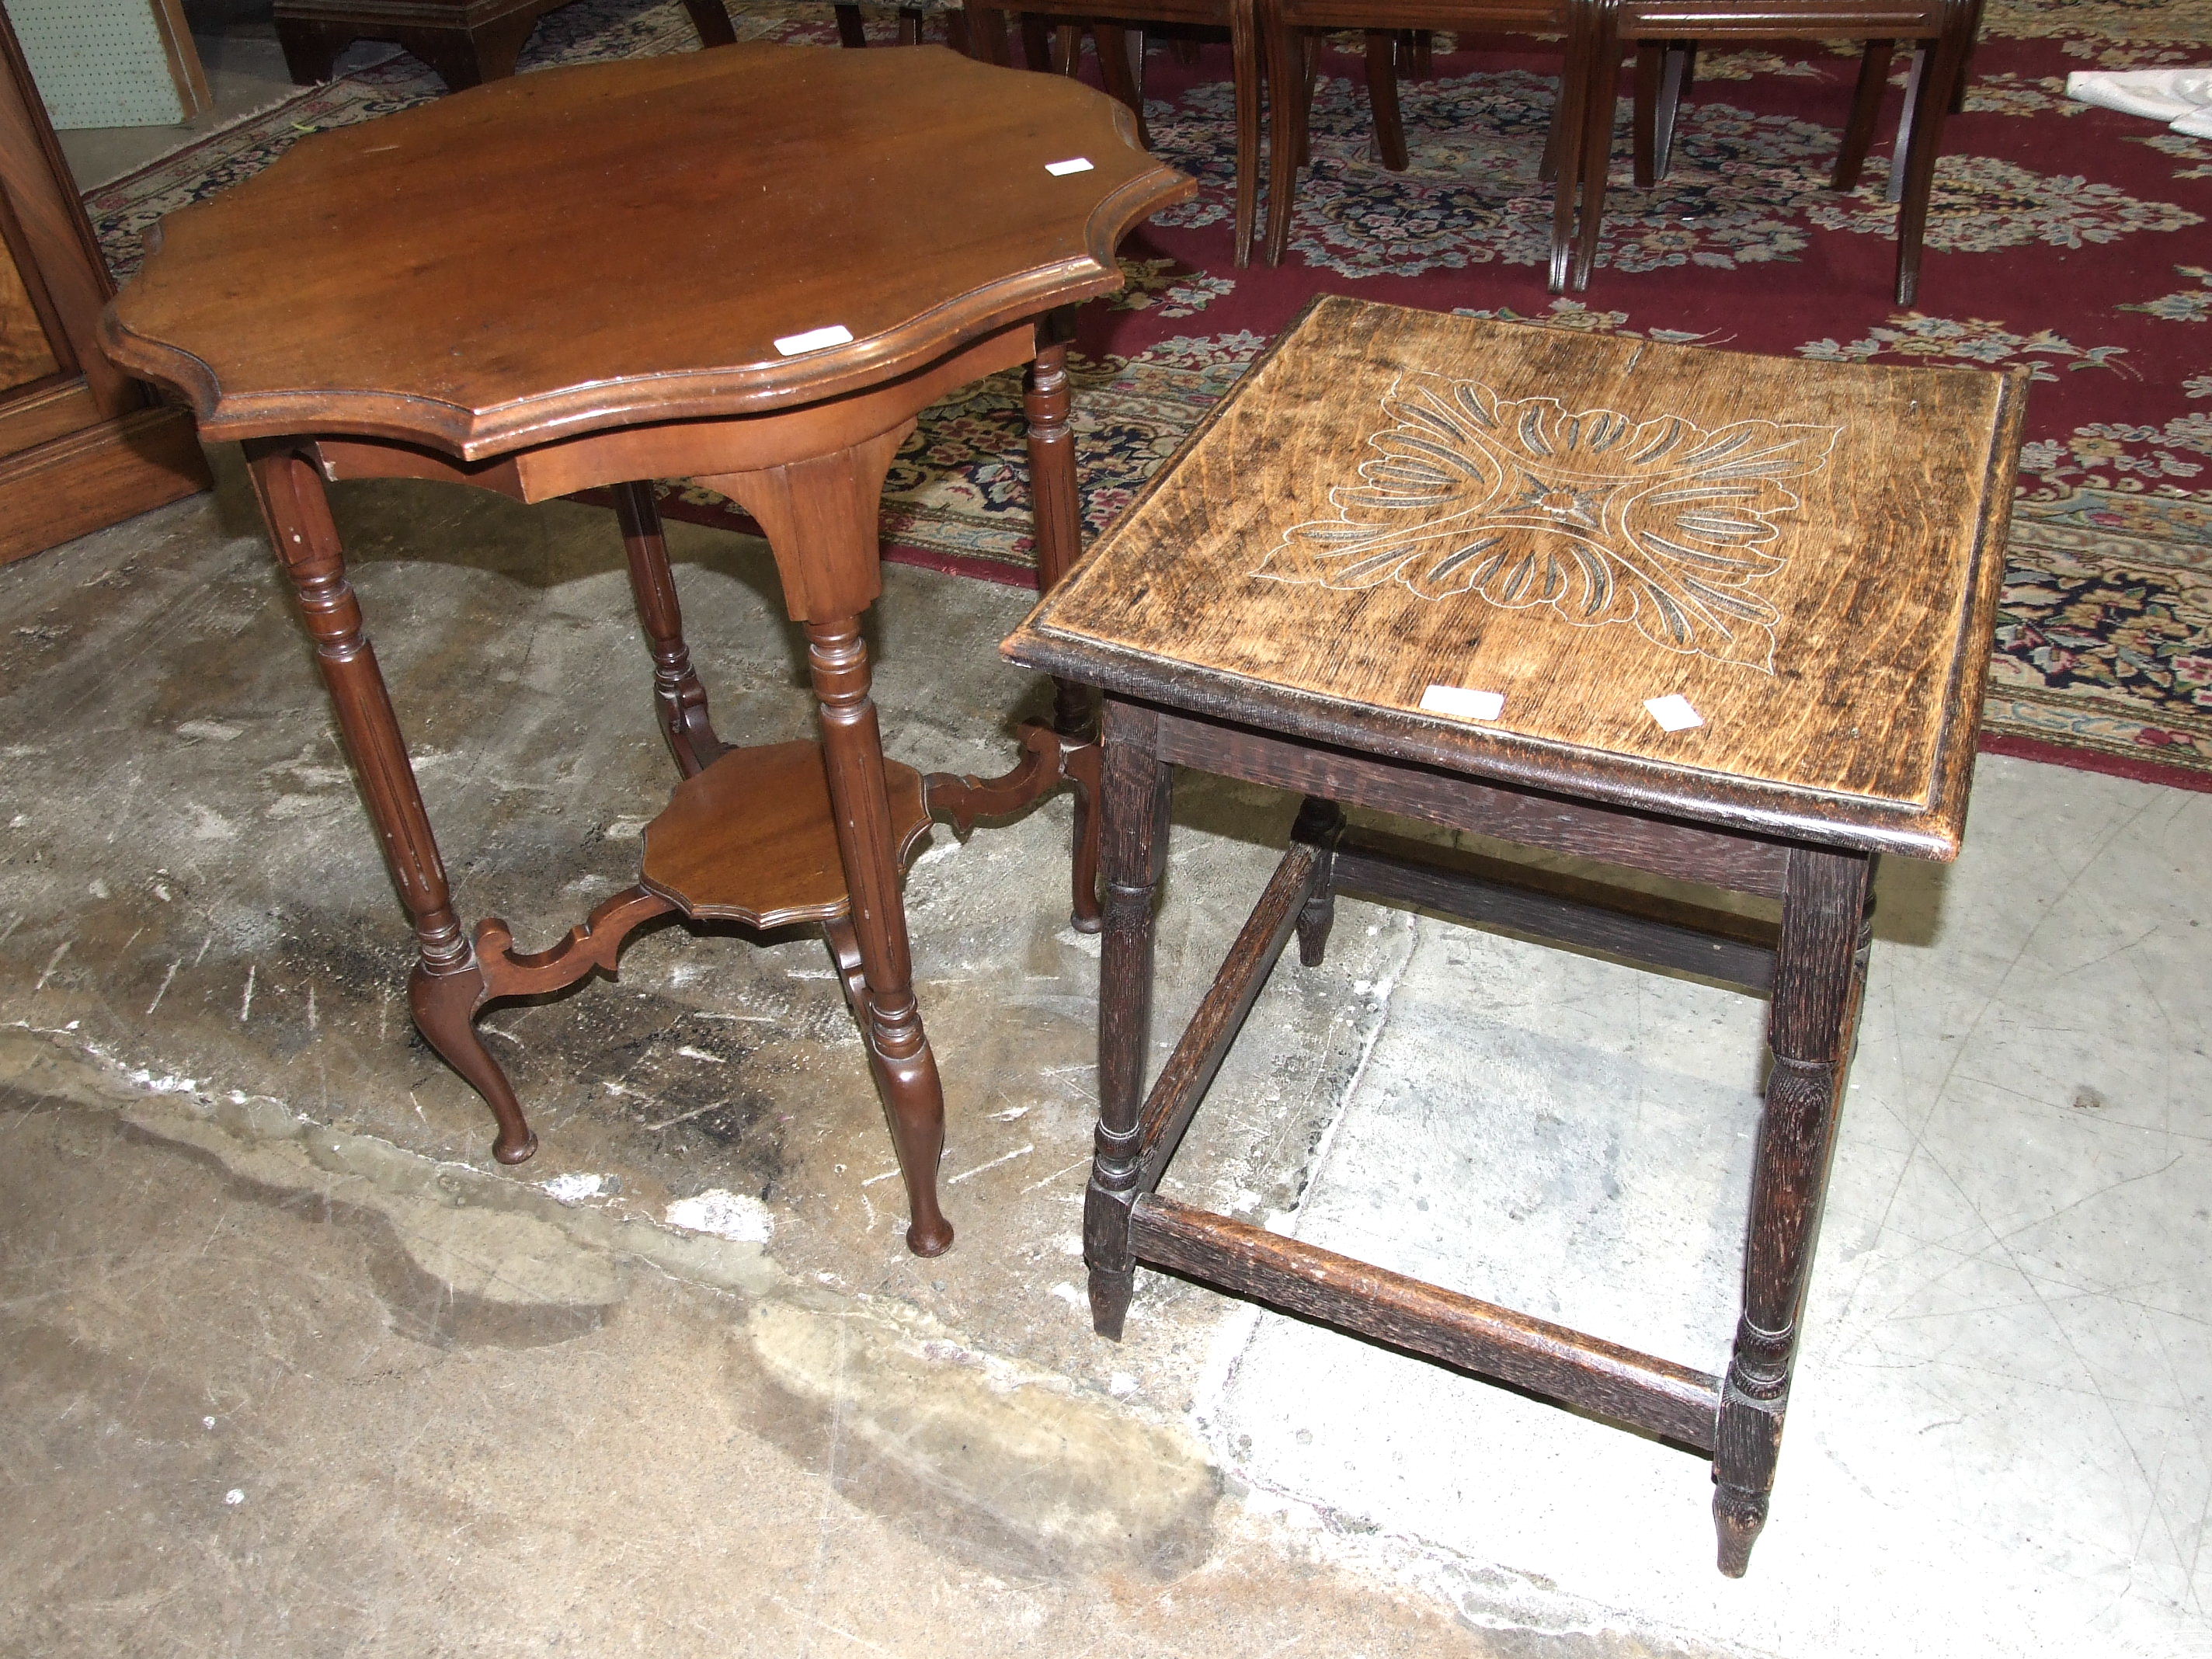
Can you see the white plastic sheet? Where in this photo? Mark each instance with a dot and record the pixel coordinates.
(2180, 98)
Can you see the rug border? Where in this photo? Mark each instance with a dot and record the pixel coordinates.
(2095, 760)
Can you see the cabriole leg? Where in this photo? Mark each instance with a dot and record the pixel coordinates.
(446, 987)
(1819, 971)
(1138, 793)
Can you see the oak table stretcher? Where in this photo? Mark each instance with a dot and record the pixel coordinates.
(751, 267)
(1720, 617)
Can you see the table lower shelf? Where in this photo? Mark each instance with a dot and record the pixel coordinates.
(753, 837)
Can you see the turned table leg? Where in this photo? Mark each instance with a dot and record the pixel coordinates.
(446, 987)
(1048, 401)
(820, 517)
(1138, 790)
(1819, 969)
(675, 690)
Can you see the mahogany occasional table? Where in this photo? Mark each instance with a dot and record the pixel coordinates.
(1721, 617)
(751, 267)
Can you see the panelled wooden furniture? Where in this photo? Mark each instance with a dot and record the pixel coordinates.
(1286, 25)
(82, 444)
(838, 239)
(1396, 511)
(1660, 31)
(987, 32)
(466, 42)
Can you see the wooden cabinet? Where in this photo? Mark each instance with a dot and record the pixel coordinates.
(83, 446)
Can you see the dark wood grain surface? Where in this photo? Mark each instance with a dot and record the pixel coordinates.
(371, 281)
(1809, 553)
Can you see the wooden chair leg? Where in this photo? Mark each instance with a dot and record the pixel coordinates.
(1902, 146)
(1819, 968)
(1650, 66)
(1036, 42)
(985, 29)
(1866, 108)
(909, 26)
(1600, 93)
(1383, 98)
(712, 19)
(1137, 793)
(1677, 68)
(1287, 57)
(956, 32)
(1244, 51)
(1942, 64)
(1958, 105)
(1113, 42)
(1561, 166)
(850, 30)
(1310, 72)
(1067, 45)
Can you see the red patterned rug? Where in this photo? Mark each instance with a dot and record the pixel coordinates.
(2065, 239)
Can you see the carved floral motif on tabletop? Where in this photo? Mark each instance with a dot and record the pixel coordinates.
(1661, 524)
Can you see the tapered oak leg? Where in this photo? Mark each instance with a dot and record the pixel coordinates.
(1135, 813)
(851, 31)
(852, 750)
(1819, 970)
(681, 700)
(446, 985)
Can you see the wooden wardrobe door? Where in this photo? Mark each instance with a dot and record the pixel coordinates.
(81, 445)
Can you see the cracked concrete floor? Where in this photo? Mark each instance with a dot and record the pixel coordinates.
(252, 1242)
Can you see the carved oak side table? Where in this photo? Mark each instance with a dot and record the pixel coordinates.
(1721, 617)
(752, 267)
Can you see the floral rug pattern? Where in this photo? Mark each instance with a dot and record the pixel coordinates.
(2064, 241)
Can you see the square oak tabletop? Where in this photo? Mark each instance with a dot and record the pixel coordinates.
(1538, 556)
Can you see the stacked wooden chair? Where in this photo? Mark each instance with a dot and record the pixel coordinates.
(986, 32)
(1663, 33)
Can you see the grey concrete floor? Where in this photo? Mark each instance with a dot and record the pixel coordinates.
(291, 1366)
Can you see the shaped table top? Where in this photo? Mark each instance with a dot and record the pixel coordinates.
(583, 248)
(1503, 549)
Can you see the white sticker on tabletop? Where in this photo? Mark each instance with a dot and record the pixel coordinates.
(1463, 702)
(1673, 712)
(1074, 164)
(792, 345)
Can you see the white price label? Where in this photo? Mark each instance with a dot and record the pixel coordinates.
(1463, 703)
(793, 345)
